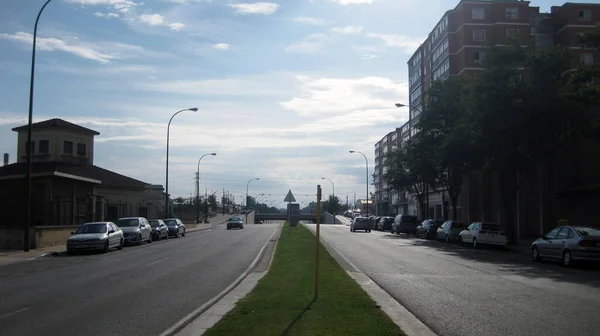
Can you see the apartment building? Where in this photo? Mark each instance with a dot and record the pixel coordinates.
(457, 45)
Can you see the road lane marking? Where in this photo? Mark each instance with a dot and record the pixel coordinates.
(15, 312)
(157, 261)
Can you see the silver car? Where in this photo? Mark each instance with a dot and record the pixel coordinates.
(136, 230)
(96, 236)
(569, 244)
(360, 223)
(235, 222)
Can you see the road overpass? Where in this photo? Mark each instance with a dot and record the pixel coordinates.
(325, 217)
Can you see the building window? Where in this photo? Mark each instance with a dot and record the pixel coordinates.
(478, 14)
(478, 34)
(81, 149)
(512, 13)
(587, 58)
(68, 148)
(512, 32)
(479, 56)
(585, 15)
(44, 146)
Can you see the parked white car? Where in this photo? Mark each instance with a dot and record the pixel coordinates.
(136, 230)
(483, 233)
(95, 236)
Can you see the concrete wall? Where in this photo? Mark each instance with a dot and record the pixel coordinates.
(56, 139)
(52, 235)
(250, 219)
(327, 218)
(11, 238)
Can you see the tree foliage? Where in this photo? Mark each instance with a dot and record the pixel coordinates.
(332, 205)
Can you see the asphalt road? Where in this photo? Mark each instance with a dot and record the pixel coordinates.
(140, 290)
(464, 292)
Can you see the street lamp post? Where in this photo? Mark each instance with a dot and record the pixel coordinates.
(193, 109)
(248, 185)
(26, 243)
(367, 176)
(333, 187)
(198, 187)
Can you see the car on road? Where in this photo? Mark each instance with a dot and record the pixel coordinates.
(569, 244)
(483, 233)
(176, 227)
(235, 222)
(428, 229)
(450, 230)
(160, 230)
(360, 223)
(404, 224)
(96, 236)
(385, 224)
(136, 230)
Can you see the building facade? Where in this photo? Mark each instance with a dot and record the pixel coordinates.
(68, 189)
(456, 46)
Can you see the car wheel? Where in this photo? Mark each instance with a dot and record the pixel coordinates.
(392, 230)
(121, 243)
(183, 234)
(460, 240)
(140, 242)
(369, 231)
(228, 227)
(150, 238)
(177, 234)
(241, 227)
(566, 259)
(474, 243)
(535, 254)
(447, 239)
(106, 247)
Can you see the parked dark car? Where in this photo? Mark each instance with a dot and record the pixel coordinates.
(405, 224)
(360, 223)
(385, 223)
(176, 227)
(428, 229)
(160, 230)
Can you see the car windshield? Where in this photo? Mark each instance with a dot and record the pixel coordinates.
(125, 222)
(409, 219)
(235, 219)
(91, 228)
(388, 219)
(588, 231)
(459, 225)
(154, 223)
(362, 220)
(170, 222)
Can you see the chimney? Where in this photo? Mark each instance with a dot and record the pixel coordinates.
(6, 159)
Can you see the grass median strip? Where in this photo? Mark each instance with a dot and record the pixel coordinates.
(282, 301)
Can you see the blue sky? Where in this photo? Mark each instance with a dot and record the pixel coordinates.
(284, 88)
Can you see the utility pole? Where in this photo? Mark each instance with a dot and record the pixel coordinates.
(354, 202)
(347, 205)
(223, 202)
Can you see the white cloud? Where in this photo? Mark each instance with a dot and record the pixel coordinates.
(123, 6)
(315, 21)
(222, 46)
(106, 15)
(338, 96)
(348, 30)
(310, 44)
(353, 2)
(152, 19)
(406, 42)
(369, 56)
(177, 26)
(69, 46)
(265, 8)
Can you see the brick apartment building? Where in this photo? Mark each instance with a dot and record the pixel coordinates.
(456, 46)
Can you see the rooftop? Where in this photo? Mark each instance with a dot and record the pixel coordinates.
(58, 124)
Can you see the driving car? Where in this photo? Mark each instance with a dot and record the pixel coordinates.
(235, 222)
(360, 223)
(95, 236)
(159, 229)
(176, 227)
(136, 230)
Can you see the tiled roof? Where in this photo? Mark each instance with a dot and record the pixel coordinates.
(56, 123)
(108, 178)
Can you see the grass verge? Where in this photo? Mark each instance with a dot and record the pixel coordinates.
(282, 301)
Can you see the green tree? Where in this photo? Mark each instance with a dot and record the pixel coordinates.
(212, 201)
(332, 205)
(520, 114)
(445, 129)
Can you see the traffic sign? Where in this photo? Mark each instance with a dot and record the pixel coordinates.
(290, 197)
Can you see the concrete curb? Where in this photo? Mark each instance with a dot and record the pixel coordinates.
(196, 313)
(403, 318)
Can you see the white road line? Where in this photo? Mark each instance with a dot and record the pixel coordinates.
(15, 312)
(157, 261)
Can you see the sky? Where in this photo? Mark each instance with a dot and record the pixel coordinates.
(284, 88)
